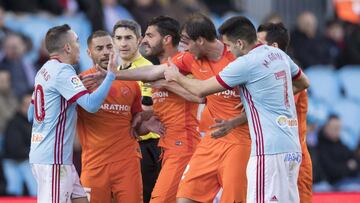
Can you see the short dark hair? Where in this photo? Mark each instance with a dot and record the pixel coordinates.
(130, 24)
(167, 26)
(276, 32)
(98, 33)
(333, 116)
(239, 27)
(54, 39)
(198, 25)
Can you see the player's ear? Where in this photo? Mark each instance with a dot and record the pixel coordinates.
(275, 44)
(200, 40)
(88, 52)
(239, 43)
(67, 48)
(167, 39)
(140, 38)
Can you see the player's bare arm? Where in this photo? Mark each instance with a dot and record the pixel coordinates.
(145, 74)
(223, 127)
(177, 89)
(300, 83)
(199, 88)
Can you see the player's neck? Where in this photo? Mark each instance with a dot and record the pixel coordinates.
(170, 52)
(214, 50)
(61, 58)
(127, 62)
(250, 47)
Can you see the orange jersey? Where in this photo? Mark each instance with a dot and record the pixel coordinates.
(218, 105)
(305, 172)
(301, 103)
(105, 135)
(179, 118)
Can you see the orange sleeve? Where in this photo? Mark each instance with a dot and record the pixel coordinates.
(296, 98)
(136, 107)
(182, 60)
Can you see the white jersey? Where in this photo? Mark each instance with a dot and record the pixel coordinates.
(57, 87)
(264, 76)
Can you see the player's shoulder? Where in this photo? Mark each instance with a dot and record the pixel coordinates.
(54, 70)
(132, 85)
(127, 84)
(185, 56)
(61, 69)
(88, 71)
(141, 61)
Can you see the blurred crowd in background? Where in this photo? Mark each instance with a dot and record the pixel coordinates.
(325, 42)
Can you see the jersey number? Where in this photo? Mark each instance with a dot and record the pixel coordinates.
(39, 103)
(282, 76)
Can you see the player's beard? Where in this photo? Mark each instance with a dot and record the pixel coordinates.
(102, 63)
(156, 50)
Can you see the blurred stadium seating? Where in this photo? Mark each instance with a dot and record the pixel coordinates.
(336, 92)
(35, 26)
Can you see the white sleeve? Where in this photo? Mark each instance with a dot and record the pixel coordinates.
(294, 69)
(235, 73)
(69, 85)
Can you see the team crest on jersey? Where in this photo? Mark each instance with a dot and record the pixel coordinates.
(125, 91)
(76, 83)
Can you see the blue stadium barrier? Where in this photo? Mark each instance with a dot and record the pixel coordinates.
(324, 82)
(349, 77)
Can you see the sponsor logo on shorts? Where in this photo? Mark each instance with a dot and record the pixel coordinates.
(283, 121)
(178, 143)
(293, 157)
(76, 83)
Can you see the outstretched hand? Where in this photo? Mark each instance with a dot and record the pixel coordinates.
(112, 65)
(222, 127)
(172, 72)
(154, 125)
(93, 80)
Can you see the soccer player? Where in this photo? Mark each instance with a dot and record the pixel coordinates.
(264, 75)
(276, 35)
(110, 154)
(53, 112)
